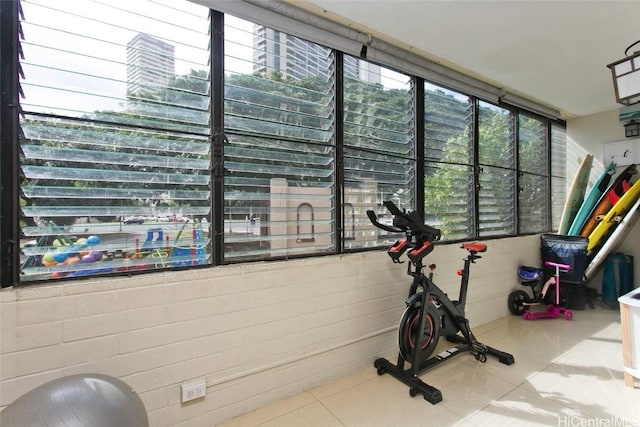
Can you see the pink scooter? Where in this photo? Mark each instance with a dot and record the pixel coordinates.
(553, 310)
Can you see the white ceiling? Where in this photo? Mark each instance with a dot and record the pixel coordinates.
(555, 52)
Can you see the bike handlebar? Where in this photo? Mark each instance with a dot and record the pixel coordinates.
(374, 220)
(392, 207)
(405, 222)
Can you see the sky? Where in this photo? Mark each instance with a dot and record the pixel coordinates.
(76, 57)
(79, 46)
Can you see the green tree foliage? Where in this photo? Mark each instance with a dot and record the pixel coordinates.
(283, 113)
(104, 152)
(449, 177)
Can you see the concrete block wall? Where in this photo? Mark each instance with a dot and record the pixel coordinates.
(257, 332)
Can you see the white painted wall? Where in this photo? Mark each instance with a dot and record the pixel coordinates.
(587, 135)
(257, 332)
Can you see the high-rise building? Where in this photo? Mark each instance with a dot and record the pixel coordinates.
(364, 70)
(296, 58)
(150, 64)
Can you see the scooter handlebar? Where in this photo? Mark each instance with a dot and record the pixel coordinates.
(564, 267)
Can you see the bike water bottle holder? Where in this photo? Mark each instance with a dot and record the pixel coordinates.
(419, 252)
(398, 248)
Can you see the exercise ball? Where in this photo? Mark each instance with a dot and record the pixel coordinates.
(83, 400)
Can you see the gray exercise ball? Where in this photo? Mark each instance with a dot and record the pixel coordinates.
(83, 400)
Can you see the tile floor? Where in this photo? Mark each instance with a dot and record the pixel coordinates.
(567, 373)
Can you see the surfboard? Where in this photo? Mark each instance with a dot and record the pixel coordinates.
(575, 197)
(590, 200)
(614, 197)
(614, 216)
(613, 242)
(604, 204)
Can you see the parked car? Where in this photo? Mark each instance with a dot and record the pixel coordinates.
(134, 220)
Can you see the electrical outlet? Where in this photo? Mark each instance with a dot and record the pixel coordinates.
(193, 390)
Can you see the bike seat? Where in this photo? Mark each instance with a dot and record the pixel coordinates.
(475, 247)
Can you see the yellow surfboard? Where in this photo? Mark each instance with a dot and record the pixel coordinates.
(614, 216)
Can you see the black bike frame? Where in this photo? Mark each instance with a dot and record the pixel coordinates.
(418, 241)
(454, 310)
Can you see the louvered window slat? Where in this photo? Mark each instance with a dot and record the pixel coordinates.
(115, 141)
(449, 173)
(279, 160)
(379, 151)
(558, 173)
(497, 159)
(533, 180)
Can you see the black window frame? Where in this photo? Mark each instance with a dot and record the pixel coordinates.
(9, 149)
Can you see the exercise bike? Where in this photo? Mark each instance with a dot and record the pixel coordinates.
(430, 313)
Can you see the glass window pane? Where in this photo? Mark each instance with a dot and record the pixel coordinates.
(379, 148)
(496, 145)
(532, 145)
(533, 177)
(497, 205)
(533, 203)
(144, 63)
(279, 158)
(449, 192)
(558, 173)
(115, 140)
(448, 174)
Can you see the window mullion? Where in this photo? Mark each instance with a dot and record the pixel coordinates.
(9, 207)
(338, 92)
(477, 168)
(217, 133)
(419, 114)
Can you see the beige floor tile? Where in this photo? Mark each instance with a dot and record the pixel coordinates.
(385, 402)
(565, 372)
(467, 384)
(272, 412)
(314, 415)
(515, 374)
(521, 408)
(541, 339)
(590, 390)
(345, 383)
(602, 357)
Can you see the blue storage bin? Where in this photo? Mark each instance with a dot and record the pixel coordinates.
(617, 278)
(570, 250)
